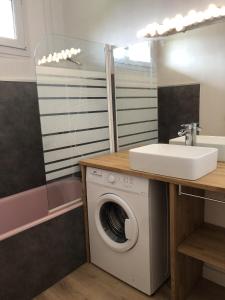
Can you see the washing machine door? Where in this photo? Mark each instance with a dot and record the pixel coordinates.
(116, 223)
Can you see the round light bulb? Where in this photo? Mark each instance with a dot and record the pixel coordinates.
(222, 11)
(64, 55)
(200, 17)
(161, 29)
(213, 11)
(179, 22)
(54, 56)
(167, 24)
(142, 33)
(152, 28)
(207, 14)
(193, 16)
(50, 57)
(187, 21)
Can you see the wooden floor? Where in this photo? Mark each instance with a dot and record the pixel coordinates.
(90, 283)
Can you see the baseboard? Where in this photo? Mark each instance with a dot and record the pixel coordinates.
(214, 275)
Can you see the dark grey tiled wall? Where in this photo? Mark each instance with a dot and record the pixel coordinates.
(32, 261)
(177, 105)
(35, 259)
(21, 155)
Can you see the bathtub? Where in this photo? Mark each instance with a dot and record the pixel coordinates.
(30, 208)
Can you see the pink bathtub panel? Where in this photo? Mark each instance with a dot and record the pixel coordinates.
(22, 208)
(63, 191)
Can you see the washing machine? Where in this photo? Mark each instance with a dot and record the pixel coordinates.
(128, 228)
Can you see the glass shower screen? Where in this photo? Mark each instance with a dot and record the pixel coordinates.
(72, 91)
(136, 99)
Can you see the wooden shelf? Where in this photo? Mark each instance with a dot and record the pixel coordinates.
(206, 244)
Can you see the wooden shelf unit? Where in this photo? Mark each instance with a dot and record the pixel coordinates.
(206, 244)
(186, 219)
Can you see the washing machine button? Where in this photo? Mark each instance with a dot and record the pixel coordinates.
(111, 179)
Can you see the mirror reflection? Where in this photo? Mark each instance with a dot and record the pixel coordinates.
(198, 57)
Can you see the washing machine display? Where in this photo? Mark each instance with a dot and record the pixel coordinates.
(116, 222)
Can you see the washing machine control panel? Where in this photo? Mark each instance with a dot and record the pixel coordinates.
(117, 180)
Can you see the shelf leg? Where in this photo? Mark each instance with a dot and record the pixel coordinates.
(186, 215)
(84, 199)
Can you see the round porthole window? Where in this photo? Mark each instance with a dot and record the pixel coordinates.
(112, 217)
(116, 223)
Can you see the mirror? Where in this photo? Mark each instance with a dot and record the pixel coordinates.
(193, 58)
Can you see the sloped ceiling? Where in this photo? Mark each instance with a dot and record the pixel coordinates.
(117, 21)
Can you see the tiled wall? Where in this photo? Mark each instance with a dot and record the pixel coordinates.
(35, 259)
(21, 154)
(177, 105)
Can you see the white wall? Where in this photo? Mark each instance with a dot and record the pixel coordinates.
(40, 18)
(106, 21)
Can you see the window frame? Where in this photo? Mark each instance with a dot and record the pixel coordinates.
(19, 41)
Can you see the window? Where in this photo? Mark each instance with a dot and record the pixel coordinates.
(11, 24)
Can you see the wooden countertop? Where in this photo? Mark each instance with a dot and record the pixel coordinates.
(118, 162)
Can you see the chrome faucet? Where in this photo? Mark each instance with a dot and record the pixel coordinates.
(190, 131)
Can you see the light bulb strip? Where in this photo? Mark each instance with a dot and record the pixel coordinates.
(181, 23)
(57, 56)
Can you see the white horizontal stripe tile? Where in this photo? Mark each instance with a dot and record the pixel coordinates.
(70, 162)
(67, 106)
(69, 139)
(139, 144)
(135, 93)
(59, 154)
(74, 151)
(62, 164)
(137, 115)
(93, 147)
(54, 124)
(62, 173)
(135, 84)
(56, 91)
(65, 72)
(136, 103)
(57, 141)
(89, 120)
(135, 128)
(49, 79)
(132, 76)
(138, 137)
(92, 135)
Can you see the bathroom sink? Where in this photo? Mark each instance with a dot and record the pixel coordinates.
(217, 142)
(179, 161)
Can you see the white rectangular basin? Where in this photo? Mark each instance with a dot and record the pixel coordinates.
(179, 161)
(217, 142)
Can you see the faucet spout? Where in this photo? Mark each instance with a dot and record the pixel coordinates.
(190, 131)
